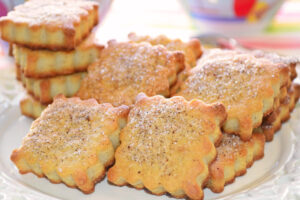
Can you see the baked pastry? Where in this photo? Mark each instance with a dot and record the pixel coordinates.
(181, 76)
(234, 156)
(45, 89)
(50, 24)
(284, 109)
(281, 62)
(192, 49)
(272, 123)
(18, 73)
(31, 107)
(70, 142)
(283, 94)
(270, 128)
(294, 93)
(247, 86)
(192, 52)
(296, 87)
(287, 106)
(125, 69)
(291, 61)
(46, 63)
(168, 145)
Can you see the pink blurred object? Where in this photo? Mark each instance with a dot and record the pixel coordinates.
(8, 5)
(3, 9)
(5, 6)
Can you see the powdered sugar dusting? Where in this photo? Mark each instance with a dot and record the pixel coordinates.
(126, 69)
(230, 146)
(230, 79)
(190, 53)
(276, 58)
(68, 131)
(58, 13)
(161, 128)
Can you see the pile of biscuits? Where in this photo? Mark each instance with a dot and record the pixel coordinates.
(52, 47)
(159, 114)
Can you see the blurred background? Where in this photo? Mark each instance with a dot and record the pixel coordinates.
(264, 24)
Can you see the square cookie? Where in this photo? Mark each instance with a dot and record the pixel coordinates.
(49, 24)
(72, 142)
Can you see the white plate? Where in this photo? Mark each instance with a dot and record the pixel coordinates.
(276, 176)
(266, 177)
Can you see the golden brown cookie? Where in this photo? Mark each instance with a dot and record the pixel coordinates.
(294, 93)
(192, 49)
(192, 52)
(284, 109)
(168, 145)
(272, 123)
(18, 73)
(291, 61)
(297, 91)
(247, 86)
(70, 142)
(181, 77)
(31, 107)
(234, 156)
(125, 69)
(45, 89)
(50, 24)
(46, 63)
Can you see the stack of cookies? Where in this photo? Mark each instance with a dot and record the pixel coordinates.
(52, 47)
(154, 116)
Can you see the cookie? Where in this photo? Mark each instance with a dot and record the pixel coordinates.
(125, 69)
(70, 142)
(168, 145)
(46, 63)
(247, 86)
(49, 24)
(234, 156)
